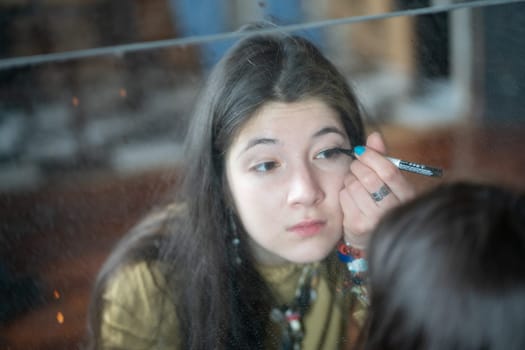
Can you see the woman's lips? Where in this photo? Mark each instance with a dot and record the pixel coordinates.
(307, 228)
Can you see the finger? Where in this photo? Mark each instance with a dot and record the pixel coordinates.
(387, 172)
(375, 141)
(356, 223)
(355, 226)
(361, 195)
(371, 182)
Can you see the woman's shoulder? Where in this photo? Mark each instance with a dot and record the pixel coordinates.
(138, 310)
(137, 281)
(135, 260)
(136, 257)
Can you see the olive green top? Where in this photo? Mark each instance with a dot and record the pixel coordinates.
(137, 313)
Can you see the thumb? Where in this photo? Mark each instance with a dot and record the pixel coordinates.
(375, 141)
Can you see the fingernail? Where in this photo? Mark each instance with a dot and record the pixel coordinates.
(359, 150)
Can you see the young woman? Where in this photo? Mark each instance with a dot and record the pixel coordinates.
(245, 256)
(447, 271)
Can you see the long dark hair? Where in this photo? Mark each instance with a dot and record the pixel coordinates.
(221, 304)
(447, 271)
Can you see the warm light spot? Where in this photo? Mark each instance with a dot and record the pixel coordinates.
(122, 92)
(60, 317)
(75, 101)
(56, 294)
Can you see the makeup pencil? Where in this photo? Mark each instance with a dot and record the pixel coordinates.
(416, 168)
(412, 167)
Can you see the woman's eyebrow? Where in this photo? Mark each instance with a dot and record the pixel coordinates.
(328, 130)
(258, 141)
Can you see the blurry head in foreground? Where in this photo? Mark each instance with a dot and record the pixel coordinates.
(447, 271)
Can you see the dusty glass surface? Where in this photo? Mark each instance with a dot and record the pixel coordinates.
(95, 97)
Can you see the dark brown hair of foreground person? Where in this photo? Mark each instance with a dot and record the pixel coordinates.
(447, 271)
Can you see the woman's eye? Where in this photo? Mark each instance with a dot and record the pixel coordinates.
(330, 153)
(265, 167)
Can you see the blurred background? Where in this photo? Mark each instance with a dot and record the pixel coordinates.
(95, 96)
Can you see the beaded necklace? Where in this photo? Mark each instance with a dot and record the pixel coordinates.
(358, 267)
(290, 317)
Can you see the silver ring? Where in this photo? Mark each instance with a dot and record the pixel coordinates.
(381, 193)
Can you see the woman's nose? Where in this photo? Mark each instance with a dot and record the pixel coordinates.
(305, 188)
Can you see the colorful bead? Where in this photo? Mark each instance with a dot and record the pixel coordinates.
(357, 266)
(347, 253)
(344, 253)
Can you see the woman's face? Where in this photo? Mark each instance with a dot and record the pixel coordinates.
(285, 180)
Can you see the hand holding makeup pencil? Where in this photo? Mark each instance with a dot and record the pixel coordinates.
(373, 186)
